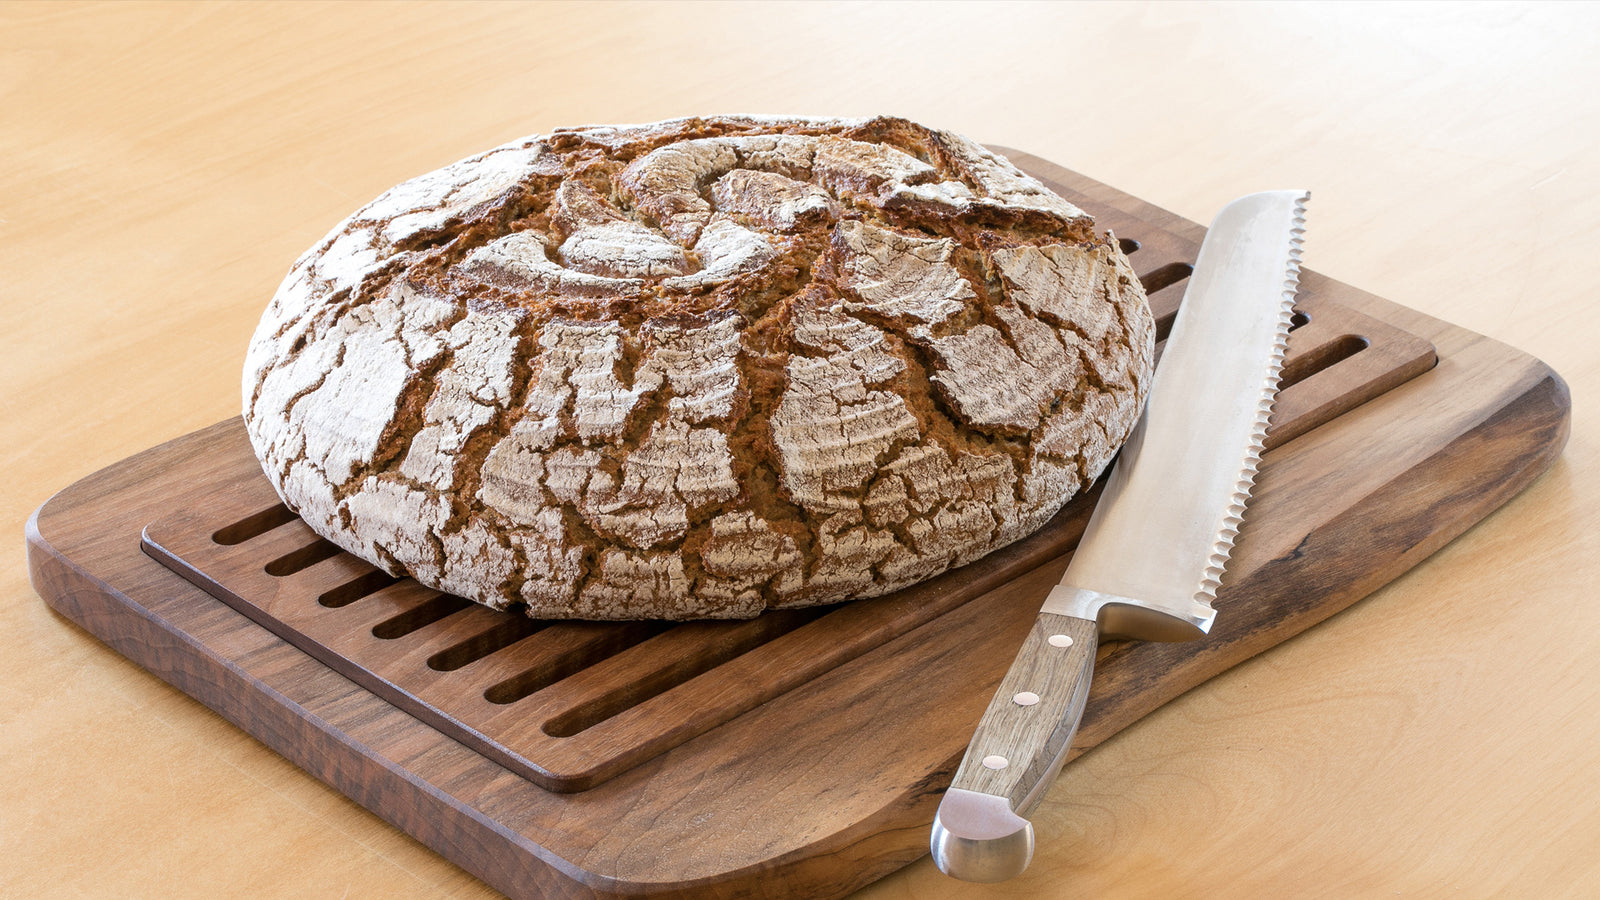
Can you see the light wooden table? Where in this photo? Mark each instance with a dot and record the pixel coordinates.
(161, 166)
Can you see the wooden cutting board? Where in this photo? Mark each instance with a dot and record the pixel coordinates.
(802, 753)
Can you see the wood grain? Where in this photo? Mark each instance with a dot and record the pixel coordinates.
(166, 163)
(1026, 738)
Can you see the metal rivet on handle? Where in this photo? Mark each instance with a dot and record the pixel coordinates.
(1026, 698)
(995, 762)
(1060, 640)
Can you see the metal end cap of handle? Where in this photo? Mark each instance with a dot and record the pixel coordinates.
(977, 837)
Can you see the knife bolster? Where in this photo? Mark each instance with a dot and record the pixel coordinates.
(1154, 619)
(977, 837)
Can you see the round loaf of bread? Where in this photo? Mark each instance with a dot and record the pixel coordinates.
(699, 368)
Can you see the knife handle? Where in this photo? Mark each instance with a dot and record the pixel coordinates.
(979, 833)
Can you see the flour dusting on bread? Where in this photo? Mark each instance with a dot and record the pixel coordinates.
(698, 368)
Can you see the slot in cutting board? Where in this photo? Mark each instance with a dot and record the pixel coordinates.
(570, 704)
(808, 781)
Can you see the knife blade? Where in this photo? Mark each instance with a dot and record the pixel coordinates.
(1153, 554)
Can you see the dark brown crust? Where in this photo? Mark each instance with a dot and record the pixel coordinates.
(599, 164)
(590, 179)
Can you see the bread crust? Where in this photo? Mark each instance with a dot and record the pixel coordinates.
(698, 368)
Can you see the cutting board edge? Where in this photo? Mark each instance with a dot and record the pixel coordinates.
(469, 838)
(426, 813)
(278, 722)
(337, 759)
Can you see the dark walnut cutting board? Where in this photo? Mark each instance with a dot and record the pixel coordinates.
(801, 753)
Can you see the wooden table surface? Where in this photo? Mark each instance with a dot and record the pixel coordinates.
(162, 165)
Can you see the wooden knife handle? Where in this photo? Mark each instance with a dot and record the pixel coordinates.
(979, 833)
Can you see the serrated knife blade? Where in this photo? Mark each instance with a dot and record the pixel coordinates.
(1153, 553)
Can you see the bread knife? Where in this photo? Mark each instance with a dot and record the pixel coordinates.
(1153, 553)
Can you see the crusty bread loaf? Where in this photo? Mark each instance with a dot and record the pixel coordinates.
(699, 368)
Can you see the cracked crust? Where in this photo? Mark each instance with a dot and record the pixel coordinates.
(699, 368)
